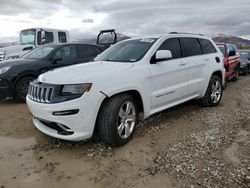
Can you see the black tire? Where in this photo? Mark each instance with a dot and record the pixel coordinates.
(236, 75)
(245, 72)
(21, 89)
(207, 99)
(108, 119)
(225, 84)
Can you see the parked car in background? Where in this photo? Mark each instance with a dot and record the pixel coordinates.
(245, 61)
(32, 38)
(15, 75)
(131, 79)
(231, 60)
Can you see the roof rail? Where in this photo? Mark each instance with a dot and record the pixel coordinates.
(186, 33)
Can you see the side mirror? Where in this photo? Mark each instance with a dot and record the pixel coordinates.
(43, 37)
(232, 53)
(55, 60)
(161, 55)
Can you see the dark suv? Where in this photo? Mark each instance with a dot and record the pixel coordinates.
(245, 61)
(15, 75)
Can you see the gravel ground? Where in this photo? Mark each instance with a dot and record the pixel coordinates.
(186, 146)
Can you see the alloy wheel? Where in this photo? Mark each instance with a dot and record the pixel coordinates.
(126, 119)
(216, 92)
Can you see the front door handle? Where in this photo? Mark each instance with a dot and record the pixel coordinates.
(182, 64)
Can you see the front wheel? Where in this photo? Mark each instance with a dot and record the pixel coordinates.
(21, 89)
(214, 92)
(117, 120)
(236, 75)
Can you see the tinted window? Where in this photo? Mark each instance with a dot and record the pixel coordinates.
(222, 49)
(62, 37)
(172, 45)
(207, 46)
(66, 52)
(87, 51)
(191, 47)
(49, 37)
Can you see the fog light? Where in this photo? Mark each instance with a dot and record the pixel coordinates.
(66, 112)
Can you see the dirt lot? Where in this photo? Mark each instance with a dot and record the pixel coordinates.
(187, 146)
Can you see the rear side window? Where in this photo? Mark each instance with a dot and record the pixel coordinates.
(190, 47)
(87, 51)
(207, 46)
(172, 45)
(65, 53)
(62, 37)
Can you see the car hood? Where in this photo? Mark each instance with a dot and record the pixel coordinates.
(18, 50)
(15, 47)
(15, 62)
(83, 73)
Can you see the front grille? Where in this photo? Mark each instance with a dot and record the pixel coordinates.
(1, 57)
(40, 93)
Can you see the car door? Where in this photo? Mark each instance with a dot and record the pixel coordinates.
(168, 78)
(233, 58)
(86, 53)
(197, 63)
(64, 56)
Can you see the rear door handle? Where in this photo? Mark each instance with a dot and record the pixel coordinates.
(207, 59)
(182, 64)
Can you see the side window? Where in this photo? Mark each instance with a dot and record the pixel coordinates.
(49, 37)
(87, 51)
(62, 37)
(190, 47)
(172, 45)
(207, 46)
(65, 53)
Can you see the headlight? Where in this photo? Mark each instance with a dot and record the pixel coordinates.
(76, 89)
(4, 69)
(2, 55)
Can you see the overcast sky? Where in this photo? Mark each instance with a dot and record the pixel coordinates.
(130, 17)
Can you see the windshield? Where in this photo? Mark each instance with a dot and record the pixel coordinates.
(39, 53)
(127, 51)
(244, 55)
(28, 36)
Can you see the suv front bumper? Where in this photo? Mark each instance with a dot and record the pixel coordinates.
(80, 125)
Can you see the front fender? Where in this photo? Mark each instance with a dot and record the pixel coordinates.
(109, 92)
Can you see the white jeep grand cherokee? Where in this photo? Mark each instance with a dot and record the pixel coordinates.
(132, 79)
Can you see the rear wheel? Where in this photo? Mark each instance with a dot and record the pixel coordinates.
(245, 72)
(21, 89)
(117, 120)
(214, 92)
(236, 75)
